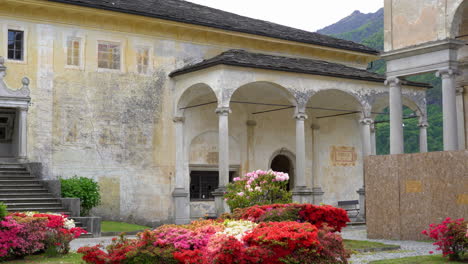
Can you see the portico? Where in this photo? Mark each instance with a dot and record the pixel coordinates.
(320, 112)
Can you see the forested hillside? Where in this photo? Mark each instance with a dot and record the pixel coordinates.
(368, 30)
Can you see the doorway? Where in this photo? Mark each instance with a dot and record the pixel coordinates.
(8, 142)
(284, 164)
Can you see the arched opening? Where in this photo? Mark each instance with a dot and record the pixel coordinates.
(284, 164)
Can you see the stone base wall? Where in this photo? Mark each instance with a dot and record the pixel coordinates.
(405, 193)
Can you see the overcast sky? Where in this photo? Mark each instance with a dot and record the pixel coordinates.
(310, 15)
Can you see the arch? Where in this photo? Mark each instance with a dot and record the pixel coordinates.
(381, 101)
(196, 93)
(203, 149)
(338, 99)
(264, 88)
(459, 16)
(291, 158)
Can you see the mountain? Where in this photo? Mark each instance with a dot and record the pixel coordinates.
(367, 29)
(356, 27)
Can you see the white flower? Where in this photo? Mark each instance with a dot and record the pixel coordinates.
(68, 223)
(237, 229)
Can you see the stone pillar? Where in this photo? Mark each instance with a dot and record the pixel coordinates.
(460, 118)
(223, 161)
(396, 116)
(250, 145)
(301, 193)
(362, 205)
(23, 134)
(423, 135)
(366, 124)
(449, 109)
(373, 139)
(317, 191)
(180, 193)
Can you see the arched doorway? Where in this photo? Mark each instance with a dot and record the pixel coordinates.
(284, 164)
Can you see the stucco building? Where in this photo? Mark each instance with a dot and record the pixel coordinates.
(162, 101)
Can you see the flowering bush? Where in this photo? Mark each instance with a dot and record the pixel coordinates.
(258, 188)
(229, 242)
(27, 233)
(451, 237)
(318, 215)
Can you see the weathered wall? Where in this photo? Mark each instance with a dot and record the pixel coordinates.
(414, 22)
(405, 193)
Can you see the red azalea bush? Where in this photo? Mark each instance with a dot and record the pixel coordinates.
(451, 237)
(24, 234)
(230, 242)
(318, 215)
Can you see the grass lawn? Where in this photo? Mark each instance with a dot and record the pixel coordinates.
(360, 245)
(71, 258)
(432, 259)
(111, 226)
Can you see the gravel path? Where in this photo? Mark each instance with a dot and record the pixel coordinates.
(408, 248)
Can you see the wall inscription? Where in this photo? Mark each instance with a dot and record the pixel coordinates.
(343, 156)
(413, 186)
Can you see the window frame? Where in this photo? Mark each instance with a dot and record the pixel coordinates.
(7, 28)
(150, 65)
(81, 51)
(121, 61)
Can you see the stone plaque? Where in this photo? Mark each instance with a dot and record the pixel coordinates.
(413, 186)
(462, 199)
(343, 156)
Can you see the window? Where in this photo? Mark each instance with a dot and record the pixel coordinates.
(6, 126)
(15, 45)
(143, 60)
(109, 55)
(73, 51)
(203, 183)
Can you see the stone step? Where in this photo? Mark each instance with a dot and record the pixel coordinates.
(54, 209)
(18, 177)
(5, 169)
(20, 186)
(19, 191)
(12, 165)
(32, 195)
(9, 173)
(17, 182)
(19, 205)
(29, 200)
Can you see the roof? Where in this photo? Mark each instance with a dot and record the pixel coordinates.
(187, 12)
(287, 64)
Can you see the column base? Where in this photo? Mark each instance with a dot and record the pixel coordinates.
(302, 194)
(317, 195)
(220, 205)
(361, 217)
(182, 206)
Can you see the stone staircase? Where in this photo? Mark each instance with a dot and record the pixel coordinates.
(21, 191)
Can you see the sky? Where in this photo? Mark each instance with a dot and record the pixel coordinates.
(310, 15)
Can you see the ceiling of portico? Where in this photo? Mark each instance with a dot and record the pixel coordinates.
(339, 101)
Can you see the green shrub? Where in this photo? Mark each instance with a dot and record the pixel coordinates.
(3, 210)
(84, 188)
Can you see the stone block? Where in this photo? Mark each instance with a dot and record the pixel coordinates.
(73, 205)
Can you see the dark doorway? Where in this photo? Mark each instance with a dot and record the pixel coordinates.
(203, 183)
(283, 164)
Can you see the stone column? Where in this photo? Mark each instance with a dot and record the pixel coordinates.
(366, 124)
(373, 139)
(180, 193)
(396, 116)
(423, 135)
(23, 134)
(301, 193)
(223, 160)
(250, 145)
(460, 117)
(317, 191)
(449, 109)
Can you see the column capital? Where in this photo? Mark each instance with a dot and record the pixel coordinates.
(366, 121)
(178, 119)
(223, 111)
(460, 90)
(251, 123)
(392, 81)
(373, 127)
(301, 116)
(315, 127)
(423, 124)
(447, 73)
